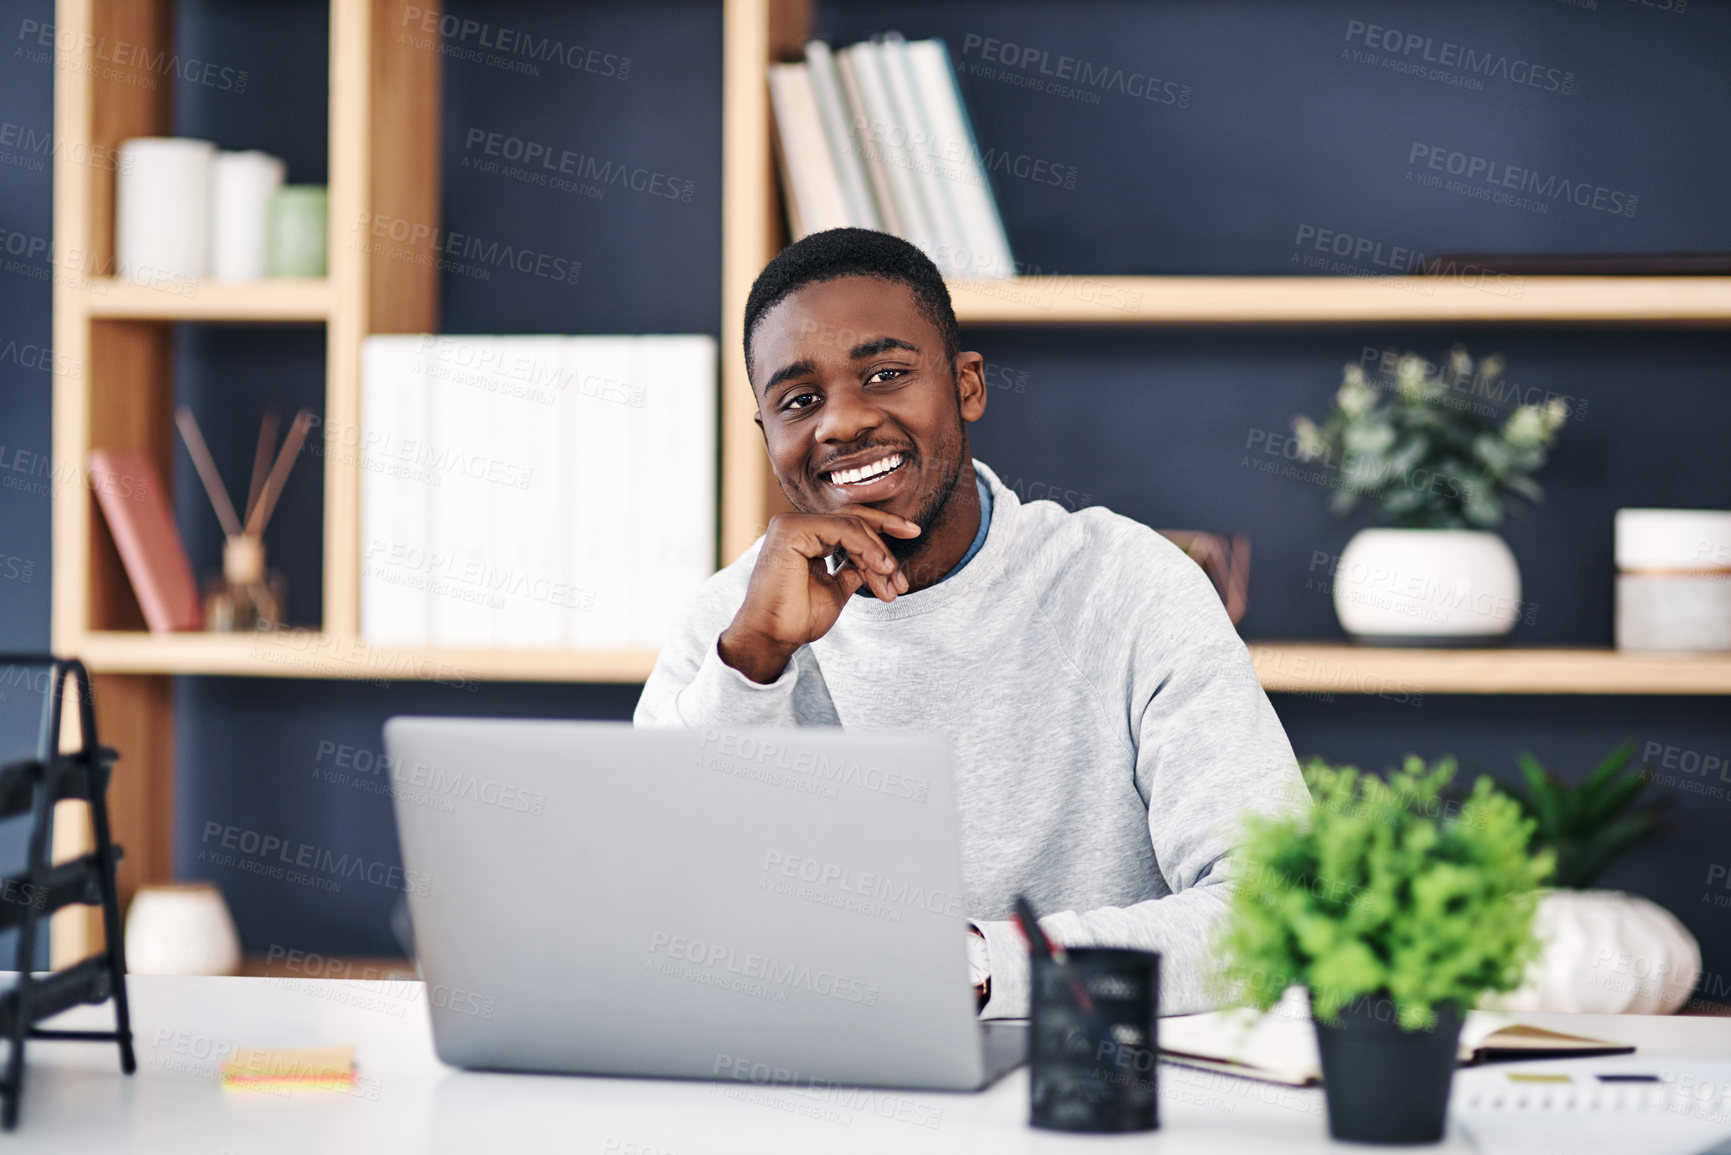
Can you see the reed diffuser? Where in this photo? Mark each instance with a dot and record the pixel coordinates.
(246, 595)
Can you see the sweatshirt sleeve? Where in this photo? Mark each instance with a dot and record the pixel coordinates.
(1208, 746)
(691, 687)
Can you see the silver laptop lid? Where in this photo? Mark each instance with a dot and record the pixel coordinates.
(593, 898)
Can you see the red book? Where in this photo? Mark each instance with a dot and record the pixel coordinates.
(135, 504)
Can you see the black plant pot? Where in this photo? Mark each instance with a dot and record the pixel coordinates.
(1385, 1084)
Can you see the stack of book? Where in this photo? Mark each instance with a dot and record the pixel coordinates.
(875, 136)
(533, 492)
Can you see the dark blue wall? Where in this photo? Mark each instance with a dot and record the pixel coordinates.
(26, 215)
(1263, 124)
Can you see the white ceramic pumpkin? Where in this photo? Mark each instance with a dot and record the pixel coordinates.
(1606, 952)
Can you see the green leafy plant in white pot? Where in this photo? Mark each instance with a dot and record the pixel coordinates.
(1436, 455)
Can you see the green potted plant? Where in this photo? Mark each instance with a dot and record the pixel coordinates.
(1396, 911)
(1440, 459)
(1605, 952)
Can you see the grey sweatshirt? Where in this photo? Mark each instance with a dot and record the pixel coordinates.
(1105, 721)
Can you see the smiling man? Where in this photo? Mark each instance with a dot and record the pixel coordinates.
(1105, 721)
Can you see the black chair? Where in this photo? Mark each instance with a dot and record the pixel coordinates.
(34, 786)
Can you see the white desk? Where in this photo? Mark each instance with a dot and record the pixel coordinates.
(77, 1101)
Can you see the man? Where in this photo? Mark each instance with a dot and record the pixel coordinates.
(1105, 721)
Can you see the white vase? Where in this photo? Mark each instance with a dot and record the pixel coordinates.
(1608, 953)
(181, 929)
(1427, 586)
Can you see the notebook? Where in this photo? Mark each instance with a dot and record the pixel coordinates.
(1597, 1107)
(1280, 1046)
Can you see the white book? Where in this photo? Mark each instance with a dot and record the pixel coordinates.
(798, 195)
(396, 490)
(859, 143)
(805, 155)
(529, 495)
(676, 479)
(929, 179)
(986, 244)
(880, 129)
(575, 601)
(649, 491)
(832, 107)
(601, 454)
(695, 360)
(461, 567)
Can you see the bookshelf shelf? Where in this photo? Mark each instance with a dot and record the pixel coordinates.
(308, 654)
(1284, 667)
(376, 968)
(1086, 300)
(1299, 667)
(290, 299)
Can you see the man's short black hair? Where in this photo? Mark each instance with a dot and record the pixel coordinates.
(836, 253)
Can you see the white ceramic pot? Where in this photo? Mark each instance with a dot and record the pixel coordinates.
(1427, 585)
(1674, 580)
(181, 929)
(1606, 953)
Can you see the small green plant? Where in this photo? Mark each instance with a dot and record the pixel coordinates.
(1384, 889)
(1587, 827)
(1435, 453)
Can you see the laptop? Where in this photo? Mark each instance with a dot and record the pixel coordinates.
(772, 906)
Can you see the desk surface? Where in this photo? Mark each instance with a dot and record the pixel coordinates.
(77, 1101)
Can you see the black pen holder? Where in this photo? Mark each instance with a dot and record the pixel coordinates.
(1094, 1044)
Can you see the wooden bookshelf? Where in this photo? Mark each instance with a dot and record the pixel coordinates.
(762, 31)
(114, 382)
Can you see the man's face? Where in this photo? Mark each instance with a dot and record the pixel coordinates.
(858, 404)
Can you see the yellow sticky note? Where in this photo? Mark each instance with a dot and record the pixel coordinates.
(312, 1068)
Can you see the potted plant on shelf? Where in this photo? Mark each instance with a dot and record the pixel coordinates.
(1396, 911)
(1605, 952)
(1441, 462)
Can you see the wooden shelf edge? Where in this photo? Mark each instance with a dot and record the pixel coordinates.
(1404, 674)
(1283, 667)
(1100, 300)
(282, 299)
(307, 654)
(313, 966)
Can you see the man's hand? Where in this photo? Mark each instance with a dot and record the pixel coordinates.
(794, 599)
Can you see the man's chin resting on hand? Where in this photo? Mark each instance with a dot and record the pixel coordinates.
(1105, 720)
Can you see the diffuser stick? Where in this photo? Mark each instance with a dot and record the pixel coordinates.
(267, 430)
(206, 466)
(291, 447)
